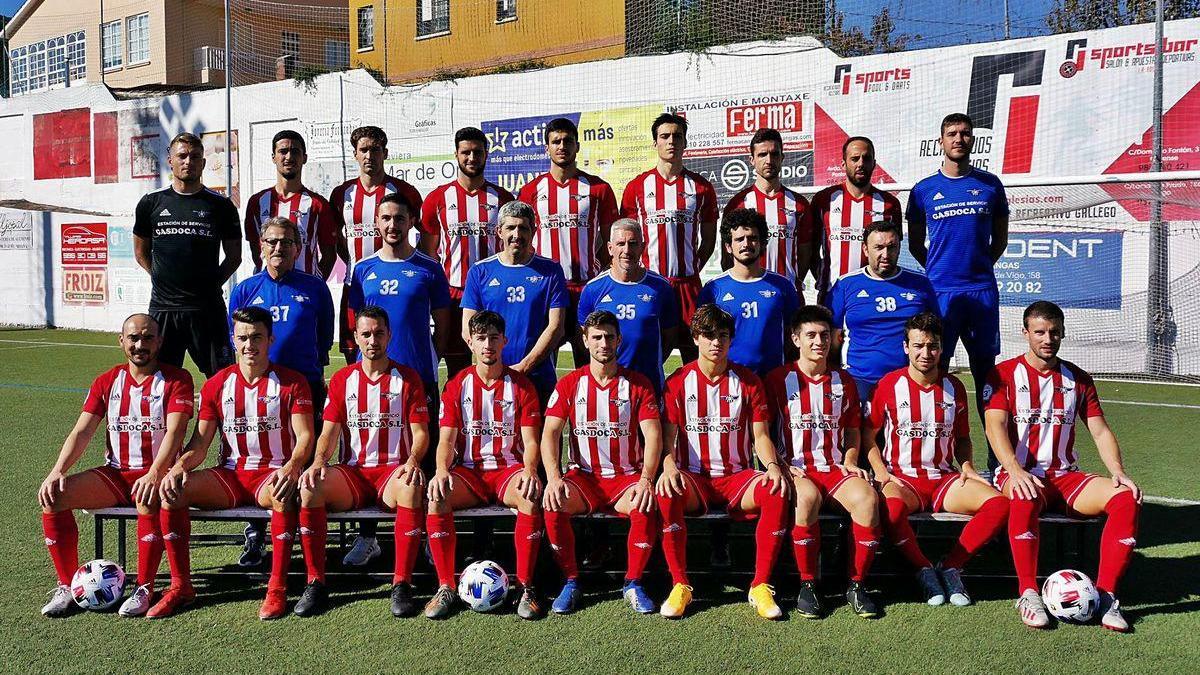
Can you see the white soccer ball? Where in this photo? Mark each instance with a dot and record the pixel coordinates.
(1070, 596)
(483, 586)
(98, 585)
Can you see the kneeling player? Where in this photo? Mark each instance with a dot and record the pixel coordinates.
(716, 417)
(145, 406)
(263, 412)
(490, 421)
(606, 406)
(378, 409)
(923, 415)
(1032, 402)
(818, 418)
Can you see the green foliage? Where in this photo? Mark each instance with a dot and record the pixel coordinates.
(1068, 16)
(853, 42)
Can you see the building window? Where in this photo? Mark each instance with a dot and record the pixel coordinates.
(433, 17)
(19, 72)
(366, 28)
(37, 66)
(76, 57)
(337, 55)
(506, 10)
(56, 62)
(289, 45)
(110, 41)
(138, 30)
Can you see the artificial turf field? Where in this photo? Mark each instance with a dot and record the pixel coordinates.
(43, 376)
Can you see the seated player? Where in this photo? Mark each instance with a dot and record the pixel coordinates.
(263, 412)
(818, 416)
(378, 410)
(490, 422)
(923, 416)
(716, 422)
(145, 406)
(1032, 402)
(610, 410)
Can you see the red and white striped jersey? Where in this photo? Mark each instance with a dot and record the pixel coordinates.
(467, 222)
(255, 419)
(715, 418)
(604, 419)
(788, 225)
(1043, 407)
(570, 218)
(135, 415)
(811, 415)
(376, 414)
(354, 208)
(308, 210)
(671, 214)
(489, 418)
(838, 220)
(921, 425)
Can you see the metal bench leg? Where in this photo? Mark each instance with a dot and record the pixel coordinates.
(121, 531)
(99, 537)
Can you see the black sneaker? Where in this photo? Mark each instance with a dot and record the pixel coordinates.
(808, 603)
(861, 602)
(402, 600)
(313, 601)
(252, 549)
(529, 606)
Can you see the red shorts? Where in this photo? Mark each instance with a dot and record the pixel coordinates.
(119, 481)
(571, 327)
(931, 491)
(346, 341)
(827, 482)
(454, 342)
(242, 487)
(1061, 491)
(600, 493)
(686, 291)
(489, 486)
(366, 482)
(726, 491)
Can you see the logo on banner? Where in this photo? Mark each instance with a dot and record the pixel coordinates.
(1131, 55)
(747, 119)
(85, 285)
(1026, 71)
(85, 243)
(845, 81)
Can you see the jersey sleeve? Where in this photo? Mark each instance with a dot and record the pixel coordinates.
(670, 315)
(210, 400)
(671, 402)
(430, 223)
(707, 294)
(629, 201)
(335, 400)
(355, 298)
(326, 227)
(736, 201)
(300, 401)
(471, 298)
(879, 400)
(451, 408)
(929, 296)
(915, 213)
(143, 223)
(335, 208)
(999, 200)
(96, 401)
(962, 411)
(607, 204)
(851, 411)
(227, 226)
(236, 299)
(181, 394)
(891, 208)
(587, 303)
(995, 392)
(530, 409)
(326, 321)
(804, 231)
(439, 288)
(528, 194)
(772, 385)
(559, 404)
(412, 196)
(416, 404)
(558, 290)
(791, 303)
(759, 410)
(708, 203)
(1089, 399)
(646, 403)
(250, 223)
(837, 305)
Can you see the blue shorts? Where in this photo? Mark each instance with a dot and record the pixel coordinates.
(972, 316)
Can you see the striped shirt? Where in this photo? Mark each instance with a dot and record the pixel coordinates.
(135, 415)
(921, 425)
(604, 419)
(812, 414)
(467, 222)
(376, 414)
(255, 419)
(671, 213)
(570, 219)
(489, 418)
(715, 418)
(838, 220)
(788, 227)
(354, 208)
(309, 211)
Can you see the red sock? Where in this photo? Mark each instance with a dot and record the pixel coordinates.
(1023, 540)
(806, 546)
(527, 537)
(150, 548)
(314, 531)
(866, 541)
(1117, 540)
(62, 538)
(985, 524)
(177, 535)
(283, 524)
(903, 537)
(408, 543)
(769, 533)
(562, 542)
(442, 540)
(674, 536)
(640, 543)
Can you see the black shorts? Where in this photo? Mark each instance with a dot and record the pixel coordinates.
(202, 333)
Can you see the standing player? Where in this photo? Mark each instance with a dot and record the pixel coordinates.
(1032, 402)
(574, 211)
(288, 198)
(760, 301)
(840, 214)
(787, 250)
(717, 420)
(817, 417)
(871, 305)
(529, 292)
(458, 228)
(145, 406)
(490, 423)
(964, 213)
(354, 204)
(263, 413)
(677, 210)
(177, 232)
(610, 410)
(377, 409)
(924, 421)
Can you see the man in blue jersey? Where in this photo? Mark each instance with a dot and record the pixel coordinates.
(760, 302)
(964, 213)
(643, 302)
(529, 291)
(871, 304)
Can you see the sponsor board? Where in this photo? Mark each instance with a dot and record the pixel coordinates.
(84, 243)
(16, 231)
(84, 285)
(62, 144)
(330, 140)
(130, 286)
(732, 173)
(120, 242)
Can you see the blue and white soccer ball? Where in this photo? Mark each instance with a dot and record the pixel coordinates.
(98, 585)
(1070, 596)
(483, 586)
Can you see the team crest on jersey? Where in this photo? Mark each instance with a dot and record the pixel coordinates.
(974, 192)
(1063, 390)
(270, 398)
(409, 273)
(730, 398)
(201, 214)
(833, 395)
(646, 297)
(909, 296)
(300, 298)
(534, 279)
(768, 294)
(944, 405)
(391, 395)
